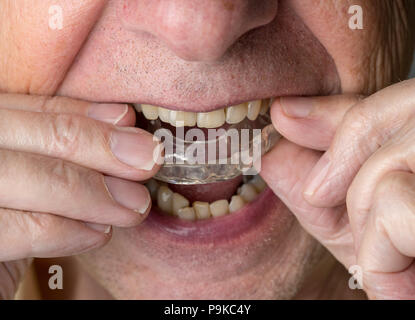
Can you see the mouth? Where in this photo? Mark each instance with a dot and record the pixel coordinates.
(184, 208)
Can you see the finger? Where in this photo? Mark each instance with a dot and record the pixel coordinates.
(130, 153)
(398, 154)
(11, 274)
(329, 226)
(311, 122)
(36, 183)
(28, 234)
(388, 245)
(116, 114)
(365, 127)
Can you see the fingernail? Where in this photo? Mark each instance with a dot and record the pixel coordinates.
(136, 148)
(130, 195)
(317, 176)
(296, 107)
(110, 113)
(99, 227)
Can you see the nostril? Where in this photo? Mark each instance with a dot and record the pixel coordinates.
(197, 30)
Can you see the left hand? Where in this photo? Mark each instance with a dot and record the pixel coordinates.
(358, 199)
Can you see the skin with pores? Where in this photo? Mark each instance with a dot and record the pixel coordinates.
(199, 56)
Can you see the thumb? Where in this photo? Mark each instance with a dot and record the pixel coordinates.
(285, 169)
(311, 122)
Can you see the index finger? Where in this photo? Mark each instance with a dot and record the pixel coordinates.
(117, 114)
(364, 129)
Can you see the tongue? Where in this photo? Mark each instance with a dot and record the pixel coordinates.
(208, 192)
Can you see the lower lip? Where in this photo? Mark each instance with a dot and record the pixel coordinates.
(215, 230)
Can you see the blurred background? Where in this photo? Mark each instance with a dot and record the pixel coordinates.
(413, 69)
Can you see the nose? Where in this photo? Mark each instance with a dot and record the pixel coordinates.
(197, 30)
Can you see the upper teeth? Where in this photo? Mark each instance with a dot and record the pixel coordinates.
(213, 119)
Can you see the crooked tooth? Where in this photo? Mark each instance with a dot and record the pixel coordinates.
(164, 114)
(164, 199)
(182, 118)
(266, 103)
(150, 112)
(235, 114)
(258, 183)
(247, 192)
(152, 187)
(253, 109)
(201, 209)
(187, 214)
(211, 120)
(237, 202)
(178, 203)
(219, 208)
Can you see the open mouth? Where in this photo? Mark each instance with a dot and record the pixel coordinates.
(196, 202)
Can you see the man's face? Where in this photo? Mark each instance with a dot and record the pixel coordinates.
(200, 56)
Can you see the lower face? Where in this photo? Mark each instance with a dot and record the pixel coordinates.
(258, 250)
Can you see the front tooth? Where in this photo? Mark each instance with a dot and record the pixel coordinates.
(212, 119)
(202, 210)
(236, 114)
(150, 112)
(182, 118)
(237, 202)
(164, 114)
(219, 208)
(258, 183)
(187, 214)
(153, 187)
(178, 203)
(253, 109)
(247, 192)
(164, 199)
(266, 103)
(176, 118)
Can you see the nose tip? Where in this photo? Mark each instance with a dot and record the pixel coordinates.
(198, 30)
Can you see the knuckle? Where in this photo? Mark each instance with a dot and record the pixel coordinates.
(390, 185)
(65, 134)
(357, 118)
(46, 103)
(72, 179)
(37, 223)
(65, 176)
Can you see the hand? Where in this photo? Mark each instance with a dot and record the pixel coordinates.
(358, 199)
(63, 178)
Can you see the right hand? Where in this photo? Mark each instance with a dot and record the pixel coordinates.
(64, 171)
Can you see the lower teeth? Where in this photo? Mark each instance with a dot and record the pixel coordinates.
(175, 204)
